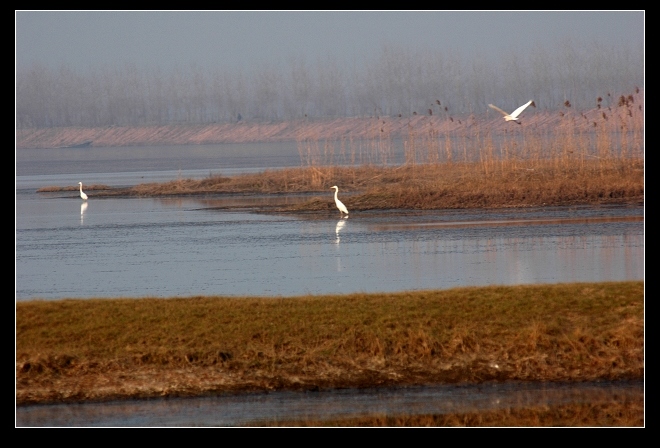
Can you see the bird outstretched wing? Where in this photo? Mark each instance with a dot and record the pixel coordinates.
(498, 109)
(517, 112)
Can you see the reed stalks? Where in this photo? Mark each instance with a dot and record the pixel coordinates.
(441, 162)
(611, 136)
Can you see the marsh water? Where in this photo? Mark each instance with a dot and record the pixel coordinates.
(293, 408)
(138, 247)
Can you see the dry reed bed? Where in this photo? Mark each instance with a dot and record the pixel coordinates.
(76, 350)
(441, 186)
(609, 114)
(575, 158)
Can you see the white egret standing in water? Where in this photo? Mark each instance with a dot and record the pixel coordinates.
(82, 193)
(513, 116)
(340, 205)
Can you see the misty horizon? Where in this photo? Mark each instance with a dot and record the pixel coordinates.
(557, 57)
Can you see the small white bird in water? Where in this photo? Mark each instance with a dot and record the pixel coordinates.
(513, 116)
(340, 205)
(82, 193)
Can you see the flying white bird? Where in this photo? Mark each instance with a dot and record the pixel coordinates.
(513, 116)
(82, 193)
(340, 205)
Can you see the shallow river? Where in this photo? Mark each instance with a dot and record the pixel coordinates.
(182, 247)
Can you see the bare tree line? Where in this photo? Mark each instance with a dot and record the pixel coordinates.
(396, 82)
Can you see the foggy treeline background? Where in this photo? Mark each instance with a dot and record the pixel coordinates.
(396, 81)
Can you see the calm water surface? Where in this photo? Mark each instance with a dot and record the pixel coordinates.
(181, 247)
(263, 409)
(178, 247)
(162, 248)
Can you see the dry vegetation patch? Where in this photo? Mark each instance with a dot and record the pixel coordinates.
(439, 186)
(571, 157)
(101, 349)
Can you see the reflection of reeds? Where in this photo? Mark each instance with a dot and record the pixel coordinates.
(601, 413)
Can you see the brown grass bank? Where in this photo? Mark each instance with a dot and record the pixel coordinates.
(100, 349)
(428, 186)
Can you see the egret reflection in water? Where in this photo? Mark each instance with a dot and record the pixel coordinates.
(340, 225)
(83, 207)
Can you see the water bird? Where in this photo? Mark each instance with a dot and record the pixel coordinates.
(340, 205)
(82, 193)
(513, 116)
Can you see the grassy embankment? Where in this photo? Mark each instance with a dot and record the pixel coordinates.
(576, 160)
(77, 350)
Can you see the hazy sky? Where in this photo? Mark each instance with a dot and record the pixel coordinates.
(231, 40)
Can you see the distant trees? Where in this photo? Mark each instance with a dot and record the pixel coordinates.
(396, 81)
